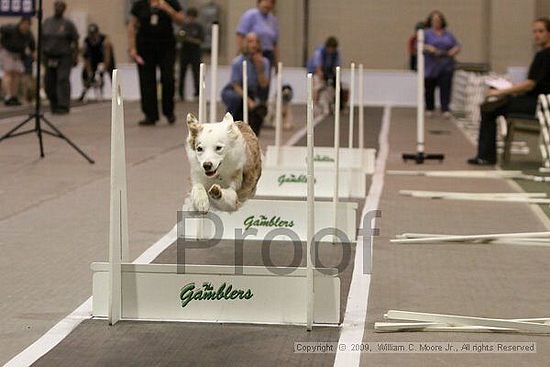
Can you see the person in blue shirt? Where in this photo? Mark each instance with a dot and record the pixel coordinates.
(261, 21)
(323, 65)
(258, 81)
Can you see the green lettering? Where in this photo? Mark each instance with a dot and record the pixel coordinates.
(186, 294)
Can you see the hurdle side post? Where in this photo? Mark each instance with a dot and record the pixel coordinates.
(336, 197)
(310, 206)
(420, 92)
(245, 91)
(214, 71)
(361, 105)
(279, 112)
(202, 106)
(118, 221)
(351, 103)
(202, 120)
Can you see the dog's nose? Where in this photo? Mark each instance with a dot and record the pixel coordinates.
(207, 166)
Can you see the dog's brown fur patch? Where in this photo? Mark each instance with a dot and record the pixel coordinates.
(194, 131)
(253, 167)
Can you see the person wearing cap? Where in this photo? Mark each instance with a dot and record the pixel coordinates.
(17, 43)
(98, 57)
(152, 45)
(60, 50)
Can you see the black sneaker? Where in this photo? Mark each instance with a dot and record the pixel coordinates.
(480, 162)
(171, 119)
(60, 111)
(13, 101)
(147, 122)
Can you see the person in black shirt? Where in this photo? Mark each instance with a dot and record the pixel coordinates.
(152, 44)
(17, 43)
(98, 59)
(192, 35)
(519, 98)
(60, 53)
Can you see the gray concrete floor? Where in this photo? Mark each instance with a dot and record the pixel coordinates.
(54, 222)
(54, 212)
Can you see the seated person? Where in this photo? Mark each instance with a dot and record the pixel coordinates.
(98, 58)
(323, 65)
(519, 98)
(258, 70)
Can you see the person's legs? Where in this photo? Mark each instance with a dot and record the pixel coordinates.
(6, 86)
(429, 93)
(487, 148)
(63, 83)
(50, 84)
(184, 63)
(166, 64)
(195, 67)
(233, 102)
(445, 82)
(148, 86)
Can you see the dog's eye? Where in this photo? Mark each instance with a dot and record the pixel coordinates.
(199, 149)
(219, 148)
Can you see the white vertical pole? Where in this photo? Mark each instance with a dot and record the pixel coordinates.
(361, 112)
(420, 91)
(336, 196)
(279, 112)
(245, 91)
(214, 72)
(202, 106)
(118, 228)
(202, 120)
(310, 204)
(351, 104)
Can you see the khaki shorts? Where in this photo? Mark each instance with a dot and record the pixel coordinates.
(11, 61)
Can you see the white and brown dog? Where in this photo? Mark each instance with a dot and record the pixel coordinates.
(226, 164)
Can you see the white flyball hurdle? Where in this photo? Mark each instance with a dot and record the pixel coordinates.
(359, 159)
(283, 174)
(208, 293)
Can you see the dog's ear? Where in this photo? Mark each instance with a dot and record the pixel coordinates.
(191, 119)
(194, 128)
(232, 129)
(228, 118)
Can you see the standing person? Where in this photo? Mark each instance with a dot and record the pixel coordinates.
(152, 44)
(519, 98)
(98, 58)
(17, 43)
(192, 34)
(258, 80)
(59, 46)
(263, 23)
(440, 48)
(412, 46)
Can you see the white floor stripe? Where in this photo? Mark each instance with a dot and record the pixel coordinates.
(64, 327)
(355, 316)
(302, 132)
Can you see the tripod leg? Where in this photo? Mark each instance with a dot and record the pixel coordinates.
(9, 133)
(61, 136)
(38, 129)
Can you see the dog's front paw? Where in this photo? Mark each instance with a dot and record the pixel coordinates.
(201, 201)
(215, 192)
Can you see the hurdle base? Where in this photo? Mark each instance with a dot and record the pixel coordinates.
(420, 157)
